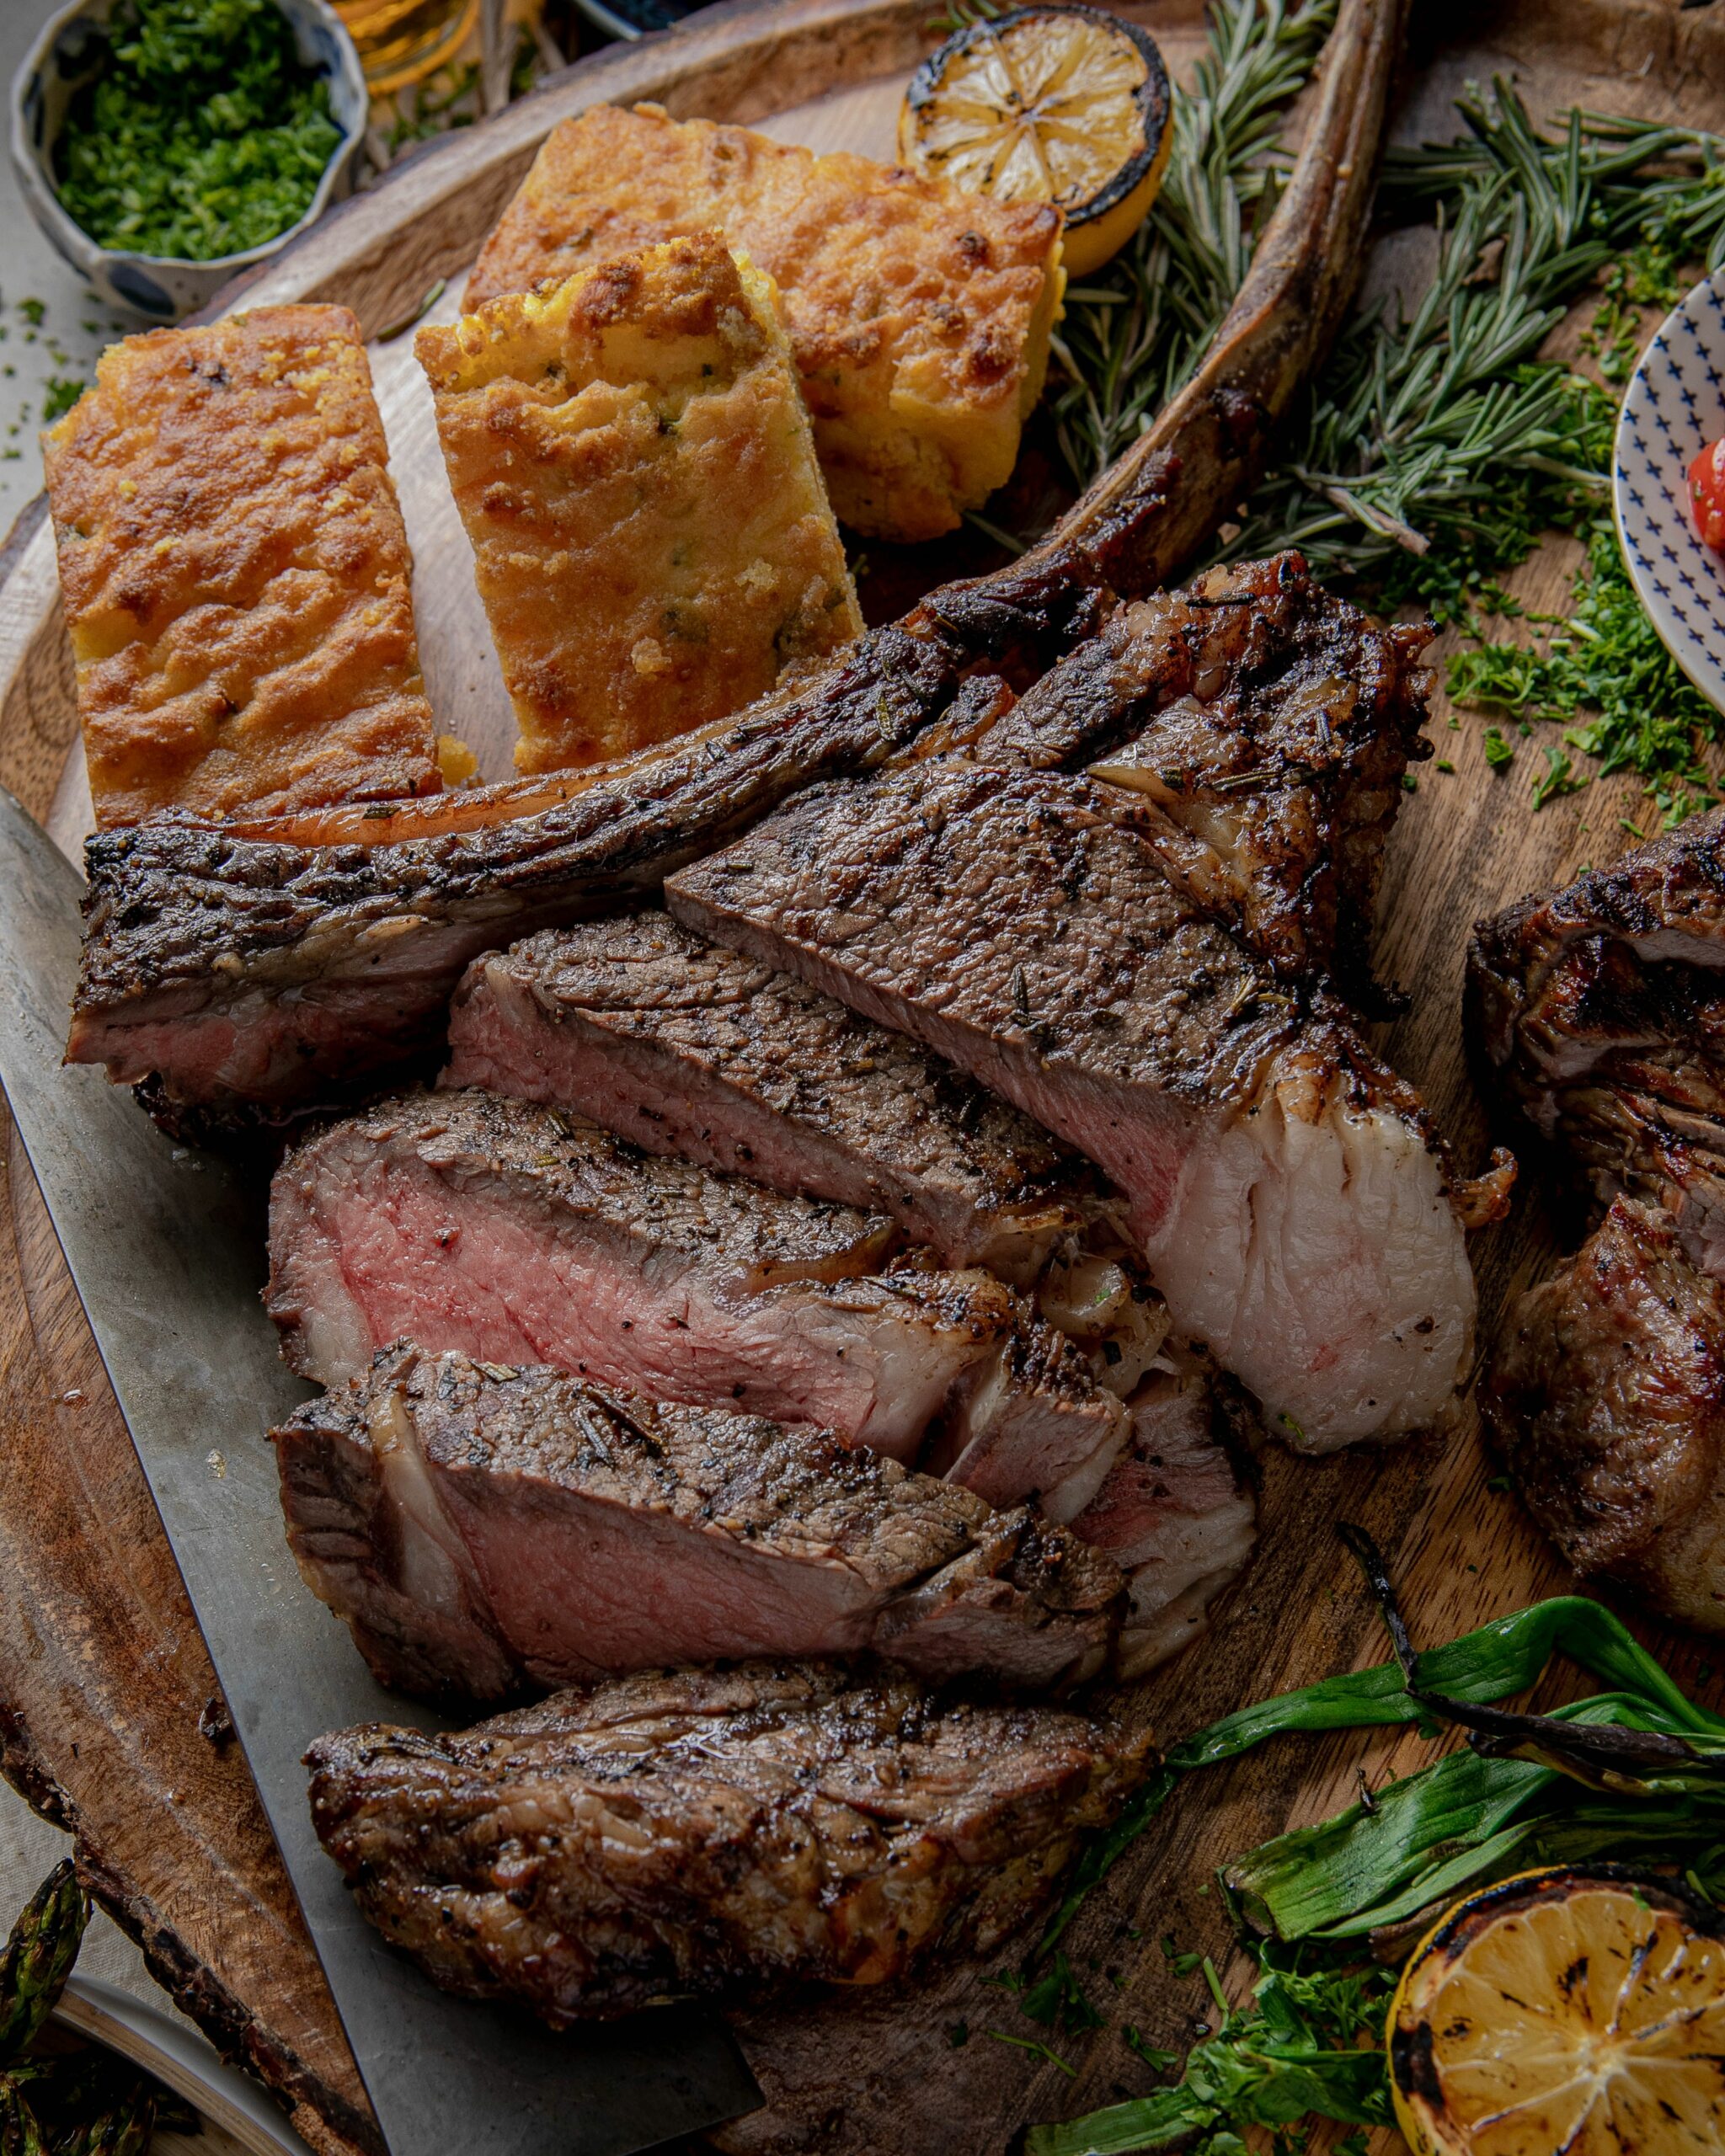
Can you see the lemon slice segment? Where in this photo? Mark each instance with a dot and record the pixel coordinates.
(1066, 106)
(1575, 2012)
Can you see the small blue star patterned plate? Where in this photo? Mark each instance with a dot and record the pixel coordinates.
(1675, 408)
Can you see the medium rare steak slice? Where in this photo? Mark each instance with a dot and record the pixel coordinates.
(1272, 723)
(688, 1049)
(517, 1235)
(1607, 1398)
(1601, 1008)
(1286, 1189)
(482, 1529)
(713, 1832)
(1175, 1513)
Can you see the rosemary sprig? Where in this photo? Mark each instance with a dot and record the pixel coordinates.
(1133, 334)
(1436, 434)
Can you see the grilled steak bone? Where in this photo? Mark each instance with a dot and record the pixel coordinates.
(1285, 1188)
(518, 1236)
(715, 1832)
(247, 977)
(482, 1529)
(1607, 1397)
(250, 975)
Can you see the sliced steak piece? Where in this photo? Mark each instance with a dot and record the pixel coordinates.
(1607, 1397)
(1175, 1514)
(713, 1832)
(250, 973)
(1272, 723)
(688, 1049)
(483, 1530)
(1286, 1189)
(1601, 1010)
(517, 1235)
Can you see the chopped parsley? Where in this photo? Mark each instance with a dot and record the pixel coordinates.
(200, 134)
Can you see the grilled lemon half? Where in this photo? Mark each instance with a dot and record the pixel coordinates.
(1066, 105)
(1575, 2012)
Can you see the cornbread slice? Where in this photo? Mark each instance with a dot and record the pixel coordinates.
(919, 315)
(633, 466)
(236, 575)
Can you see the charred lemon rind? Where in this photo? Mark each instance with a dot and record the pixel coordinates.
(1096, 225)
(1449, 2099)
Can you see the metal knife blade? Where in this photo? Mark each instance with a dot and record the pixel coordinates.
(166, 1248)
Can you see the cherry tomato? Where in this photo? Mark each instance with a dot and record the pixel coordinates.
(1707, 495)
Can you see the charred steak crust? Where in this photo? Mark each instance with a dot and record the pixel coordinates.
(1597, 1010)
(522, 1235)
(486, 1530)
(1018, 924)
(1663, 904)
(1272, 723)
(687, 1049)
(1607, 1398)
(713, 1832)
(199, 943)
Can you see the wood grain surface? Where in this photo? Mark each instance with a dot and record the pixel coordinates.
(103, 1675)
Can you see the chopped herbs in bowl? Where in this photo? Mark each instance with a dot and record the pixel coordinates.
(164, 144)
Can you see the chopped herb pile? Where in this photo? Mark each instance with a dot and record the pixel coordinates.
(1602, 671)
(56, 2102)
(200, 134)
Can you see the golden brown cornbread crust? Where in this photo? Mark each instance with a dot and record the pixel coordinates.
(236, 575)
(919, 317)
(633, 466)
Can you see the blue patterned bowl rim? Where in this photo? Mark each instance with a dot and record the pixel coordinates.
(1674, 407)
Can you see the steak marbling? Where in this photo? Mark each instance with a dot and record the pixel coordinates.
(519, 1235)
(1286, 1189)
(482, 1529)
(713, 1832)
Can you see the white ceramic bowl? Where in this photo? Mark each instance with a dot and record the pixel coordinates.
(157, 287)
(1674, 407)
(245, 2116)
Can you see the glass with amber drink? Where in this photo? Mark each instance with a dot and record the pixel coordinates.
(401, 40)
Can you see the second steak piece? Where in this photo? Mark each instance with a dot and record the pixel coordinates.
(482, 1528)
(519, 1235)
(713, 1832)
(1607, 1397)
(1286, 1189)
(1602, 1008)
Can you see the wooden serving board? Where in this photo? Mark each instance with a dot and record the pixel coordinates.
(103, 1677)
